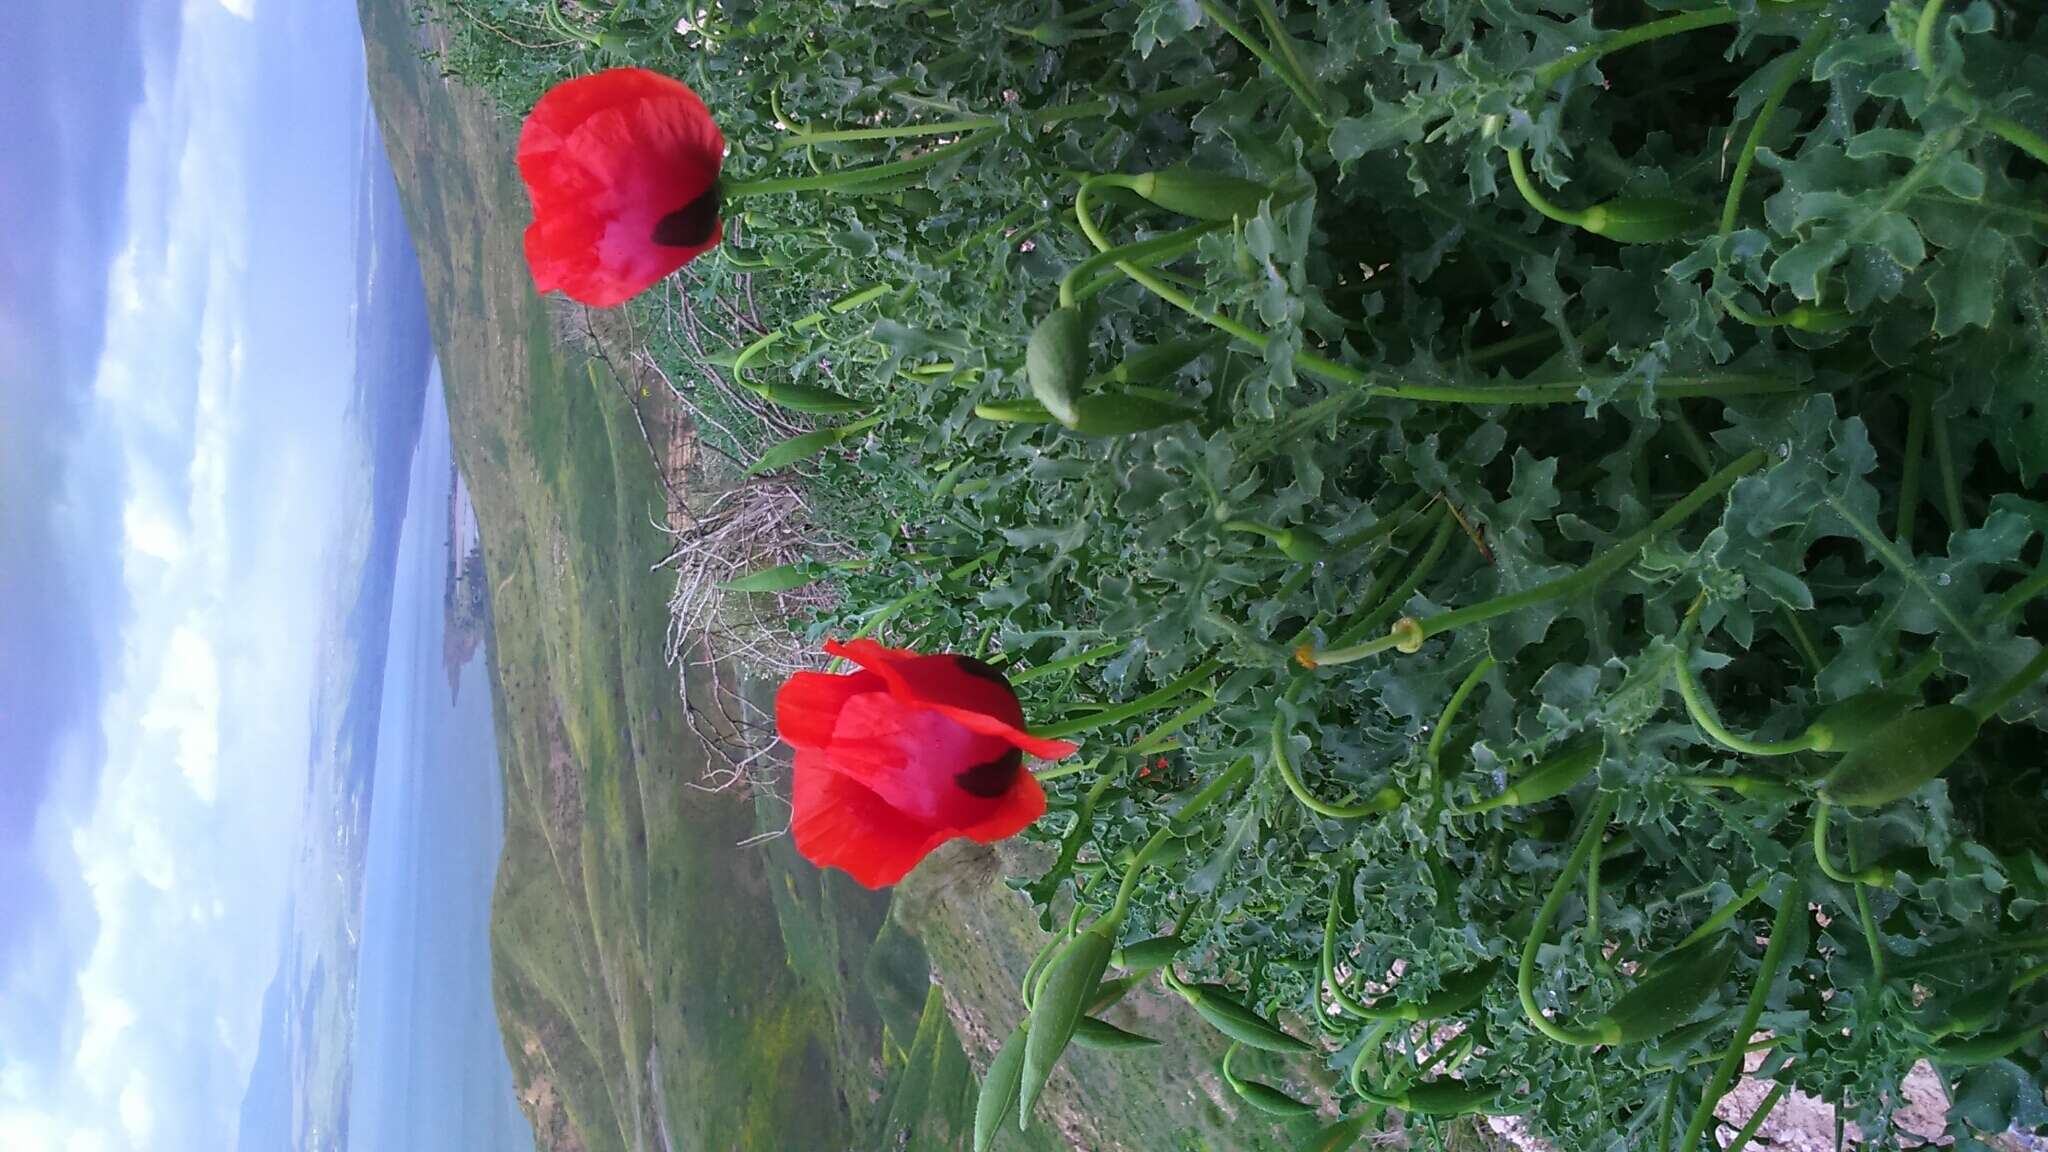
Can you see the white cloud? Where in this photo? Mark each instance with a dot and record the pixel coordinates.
(138, 1115)
(175, 859)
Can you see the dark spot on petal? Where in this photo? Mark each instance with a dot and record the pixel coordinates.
(994, 778)
(692, 224)
(981, 670)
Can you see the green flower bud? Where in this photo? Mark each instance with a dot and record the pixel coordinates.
(1645, 219)
(1901, 756)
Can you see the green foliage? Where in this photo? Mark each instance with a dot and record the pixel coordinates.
(1608, 450)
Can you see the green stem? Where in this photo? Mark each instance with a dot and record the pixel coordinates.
(1909, 476)
(1298, 84)
(888, 611)
(1695, 445)
(2020, 595)
(1910, 680)
(1824, 858)
(1802, 56)
(1790, 906)
(1345, 648)
(1379, 805)
(1457, 701)
(1869, 923)
(1276, 31)
(1126, 711)
(1664, 1114)
(853, 178)
(1525, 973)
(804, 137)
(2019, 136)
(1800, 640)
(1077, 660)
(2002, 695)
(1593, 897)
(1083, 280)
(1217, 788)
(1518, 168)
(1610, 562)
(1702, 710)
(1898, 562)
(1756, 1119)
(1630, 37)
(1923, 35)
(1162, 733)
(2035, 942)
(1067, 768)
(1724, 914)
(1564, 392)
(1945, 462)
(1716, 385)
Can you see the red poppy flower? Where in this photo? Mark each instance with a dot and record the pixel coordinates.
(903, 755)
(622, 168)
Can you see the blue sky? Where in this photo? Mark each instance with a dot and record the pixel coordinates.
(174, 361)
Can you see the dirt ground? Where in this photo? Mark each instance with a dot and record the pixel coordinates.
(1803, 1123)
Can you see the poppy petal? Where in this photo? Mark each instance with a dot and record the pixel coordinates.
(614, 164)
(808, 704)
(970, 693)
(567, 105)
(915, 759)
(838, 823)
(1020, 806)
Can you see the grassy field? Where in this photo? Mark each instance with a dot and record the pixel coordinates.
(648, 999)
(629, 935)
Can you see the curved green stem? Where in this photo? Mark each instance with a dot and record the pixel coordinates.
(1790, 906)
(1386, 800)
(1702, 710)
(1809, 47)
(1083, 280)
(1822, 857)
(1525, 973)
(1518, 168)
(1457, 701)
(1684, 22)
